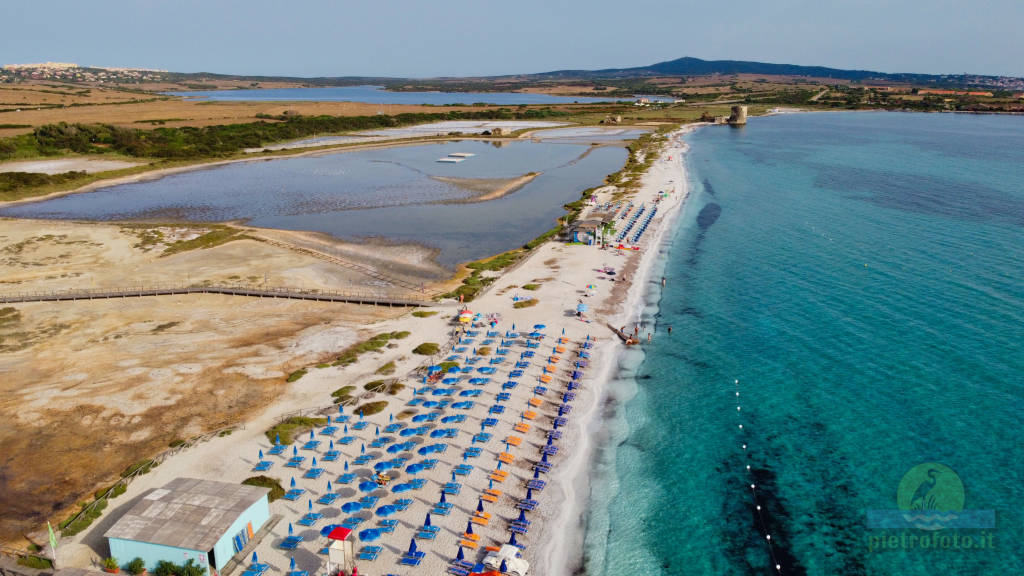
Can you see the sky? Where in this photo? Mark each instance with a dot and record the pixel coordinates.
(428, 38)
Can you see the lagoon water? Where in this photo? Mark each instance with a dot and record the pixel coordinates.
(377, 95)
(380, 193)
(862, 276)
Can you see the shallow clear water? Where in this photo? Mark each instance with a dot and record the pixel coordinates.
(377, 95)
(385, 193)
(861, 276)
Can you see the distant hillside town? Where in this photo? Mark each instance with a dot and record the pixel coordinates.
(71, 72)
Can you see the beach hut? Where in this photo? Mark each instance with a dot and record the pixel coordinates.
(162, 525)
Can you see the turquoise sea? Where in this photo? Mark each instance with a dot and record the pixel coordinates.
(862, 276)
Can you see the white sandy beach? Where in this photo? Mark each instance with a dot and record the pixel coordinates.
(554, 544)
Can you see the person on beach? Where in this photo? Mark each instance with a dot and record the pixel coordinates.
(648, 337)
(662, 281)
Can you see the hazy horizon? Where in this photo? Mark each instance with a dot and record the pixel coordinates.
(457, 38)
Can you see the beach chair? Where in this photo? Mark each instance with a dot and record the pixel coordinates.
(535, 402)
(479, 521)
(387, 526)
(463, 469)
(515, 374)
(452, 488)
(293, 494)
(559, 421)
(489, 498)
(542, 467)
(417, 483)
(549, 450)
(506, 458)
(346, 440)
(327, 499)
(510, 385)
(295, 461)
(521, 427)
(290, 543)
(471, 452)
(482, 437)
(490, 422)
(410, 560)
(536, 484)
(328, 430)
(278, 449)
(496, 477)
(263, 466)
(311, 445)
(458, 570)
(369, 501)
(369, 553)
(517, 529)
(331, 456)
(496, 409)
(310, 519)
(503, 396)
(361, 425)
(529, 415)
(414, 402)
(471, 537)
(402, 503)
(442, 508)
(468, 544)
(521, 364)
(545, 378)
(568, 396)
(313, 473)
(346, 478)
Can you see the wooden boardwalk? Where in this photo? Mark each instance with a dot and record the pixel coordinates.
(353, 297)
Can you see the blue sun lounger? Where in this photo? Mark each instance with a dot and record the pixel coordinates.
(346, 478)
(331, 456)
(496, 409)
(346, 440)
(360, 425)
(472, 452)
(369, 553)
(414, 402)
(452, 488)
(263, 466)
(522, 364)
(295, 462)
(490, 422)
(327, 499)
(310, 519)
(293, 494)
(402, 503)
(328, 430)
(311, 445)
(387, 525)
(482, 437)
(442, 508)
(313, 473)
(278, 449)
(536, 484)
(515, 374)
(463, 469)
(290, 543)
(426, 535)
(362, 460)
(410, 560)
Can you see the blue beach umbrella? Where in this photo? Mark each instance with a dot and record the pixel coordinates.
(469, 527)
(310, 506)
(367, 486)
(290, 529)
(399, 488)
(382, 466)
(277, 439)
(479, 505)
(295, 451)
(453, 370)
(504, 566)
(522, 518)
(291, 565)
(529, 493)
(391, 417)
(369, 535)
(377, 431)
(311, 437)
(332, 444)
(255, 558)
(346, 428)
(261, 454)
(442, 500)
(293, 482)
(426, 521)
(351, 507)
(434, 368)
(450, 380)
(329, 488)
(412, 546)
(539, 326)
(346, 465)
(314, 461)
(386, 510)
(460, 556)
(362, 448)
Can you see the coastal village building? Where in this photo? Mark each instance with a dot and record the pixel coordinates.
(205, 521)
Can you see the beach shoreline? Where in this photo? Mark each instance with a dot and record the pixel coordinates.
(560, 535)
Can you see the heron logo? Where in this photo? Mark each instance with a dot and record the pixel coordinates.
(930, 495)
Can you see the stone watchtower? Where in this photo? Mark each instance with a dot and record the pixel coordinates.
(738, 116)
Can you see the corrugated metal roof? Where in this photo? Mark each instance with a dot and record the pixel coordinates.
(186, 513)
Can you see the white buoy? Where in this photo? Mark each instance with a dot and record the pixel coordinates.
(741, 426)
(737, 408)
(744, 446)
(768, 536)
(758, 507)
(748, 466)
(751, 486)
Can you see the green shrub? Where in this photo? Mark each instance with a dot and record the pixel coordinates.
(323, 365)
(115, 491)
(525, 303)
(424, 313)
(70, 528)
(136, 566)
(343, 392)
(37, 562)
(371, 408)
(387, 369)
(483, 350)
(351, 354)
(189, 568)
(296, 375)
(294, 426)
(427, 349)
(446, 366)
(375, 386)
(531, 286)
(110, 563)
(276, 490)
(142, 466)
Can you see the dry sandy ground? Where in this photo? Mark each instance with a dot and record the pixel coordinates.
(86, 388)
(66, 165)
(553, 543)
